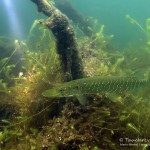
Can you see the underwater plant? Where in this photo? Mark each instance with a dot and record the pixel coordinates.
(145, 30)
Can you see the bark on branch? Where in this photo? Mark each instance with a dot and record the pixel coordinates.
(59, 24)
(66, 8)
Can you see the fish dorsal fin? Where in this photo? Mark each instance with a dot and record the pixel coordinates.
(82, 99)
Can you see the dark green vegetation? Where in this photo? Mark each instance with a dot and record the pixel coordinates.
(30, 121)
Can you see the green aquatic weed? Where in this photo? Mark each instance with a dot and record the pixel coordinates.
(145, 30)
(148, 29)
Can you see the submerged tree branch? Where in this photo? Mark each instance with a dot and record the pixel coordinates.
(66, 8)
(66, 43)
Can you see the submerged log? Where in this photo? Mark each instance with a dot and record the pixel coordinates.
(66, 8)
(66, 43)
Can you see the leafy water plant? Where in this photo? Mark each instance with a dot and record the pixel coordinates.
(22, 101)
(145, 30)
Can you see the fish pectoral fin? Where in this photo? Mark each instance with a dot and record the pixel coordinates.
(82, 99)
(113, 96)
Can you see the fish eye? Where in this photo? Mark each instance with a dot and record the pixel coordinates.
(61, 90)
(75, 88)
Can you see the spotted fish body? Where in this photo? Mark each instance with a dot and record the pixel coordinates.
(95, 85)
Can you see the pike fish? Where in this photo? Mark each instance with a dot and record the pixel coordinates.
(94, 85)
